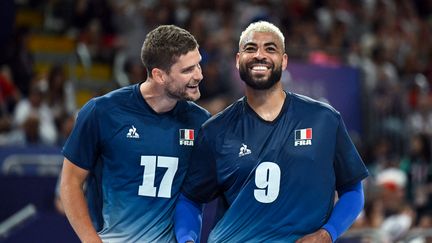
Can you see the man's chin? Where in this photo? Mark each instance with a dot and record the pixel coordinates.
(260, 85)
(193, 97)
(260, 81)
(187, 95)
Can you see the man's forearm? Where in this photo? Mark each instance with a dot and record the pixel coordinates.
(76, 210)
(346, 210)
(187, 220)
(74, 203)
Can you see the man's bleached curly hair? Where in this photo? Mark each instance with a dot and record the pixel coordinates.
(262, 26)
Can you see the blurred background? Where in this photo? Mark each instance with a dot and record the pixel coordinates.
(370, 59)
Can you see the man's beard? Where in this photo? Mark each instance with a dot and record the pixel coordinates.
(180, 93)
(258, 83)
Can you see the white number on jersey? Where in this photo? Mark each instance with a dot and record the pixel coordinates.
(150, 164)
(267, 179)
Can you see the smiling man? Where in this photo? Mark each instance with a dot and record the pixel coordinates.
(132, 146)
(276, 157)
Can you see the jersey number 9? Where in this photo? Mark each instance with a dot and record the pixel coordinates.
(267, 179)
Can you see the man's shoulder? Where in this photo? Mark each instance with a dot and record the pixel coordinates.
(310, 106)
(224, 117)
(195, 109)
(112, 99)
(117, 95)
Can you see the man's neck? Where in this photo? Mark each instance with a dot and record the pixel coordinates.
(266, 103)
(156, 97)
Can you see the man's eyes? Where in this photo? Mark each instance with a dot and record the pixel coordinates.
(250, 49)
(253, 49)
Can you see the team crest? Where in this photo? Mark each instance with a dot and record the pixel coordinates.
(244, 150)
(303, 137)
(132, 133)
(187, 137)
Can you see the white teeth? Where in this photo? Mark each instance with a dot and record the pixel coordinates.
(259, 68)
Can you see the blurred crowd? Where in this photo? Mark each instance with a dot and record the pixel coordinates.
(389, 41)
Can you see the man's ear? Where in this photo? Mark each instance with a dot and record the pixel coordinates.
(284, 61)
(158, 75)
(237, 60)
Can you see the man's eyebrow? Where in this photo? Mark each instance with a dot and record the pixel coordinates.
(270, 44)
(249, 44)
(265, 44)
(188, 68)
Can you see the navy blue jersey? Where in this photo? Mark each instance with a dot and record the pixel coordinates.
(278, 178)
(137, 161)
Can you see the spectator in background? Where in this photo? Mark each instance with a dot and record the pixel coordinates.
(372, 215)
(33, 112)
(417, 166)
(421, 232)
(87, 11)
(9, 97)
(7, 22)
(30, 130)
(392, 185)
(419, 120)
(398, 213)
(66, 125)
(396, 226)
(60, 95)
(382, 153)
(366, 228)
(135, 71)
(20, 60)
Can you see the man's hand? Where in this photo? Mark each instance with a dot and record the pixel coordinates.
(320, 236)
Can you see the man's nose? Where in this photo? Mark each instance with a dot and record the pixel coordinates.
(259, 54)
(198, 73)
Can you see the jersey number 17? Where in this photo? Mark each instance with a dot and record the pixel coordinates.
(151, 163)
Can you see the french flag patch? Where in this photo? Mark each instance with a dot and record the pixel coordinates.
(187, 137)
(303, 137)
(303, 134)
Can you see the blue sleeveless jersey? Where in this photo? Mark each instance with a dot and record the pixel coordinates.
(137, 161)
(278, 178)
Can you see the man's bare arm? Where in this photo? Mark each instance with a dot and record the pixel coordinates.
(74, 203)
